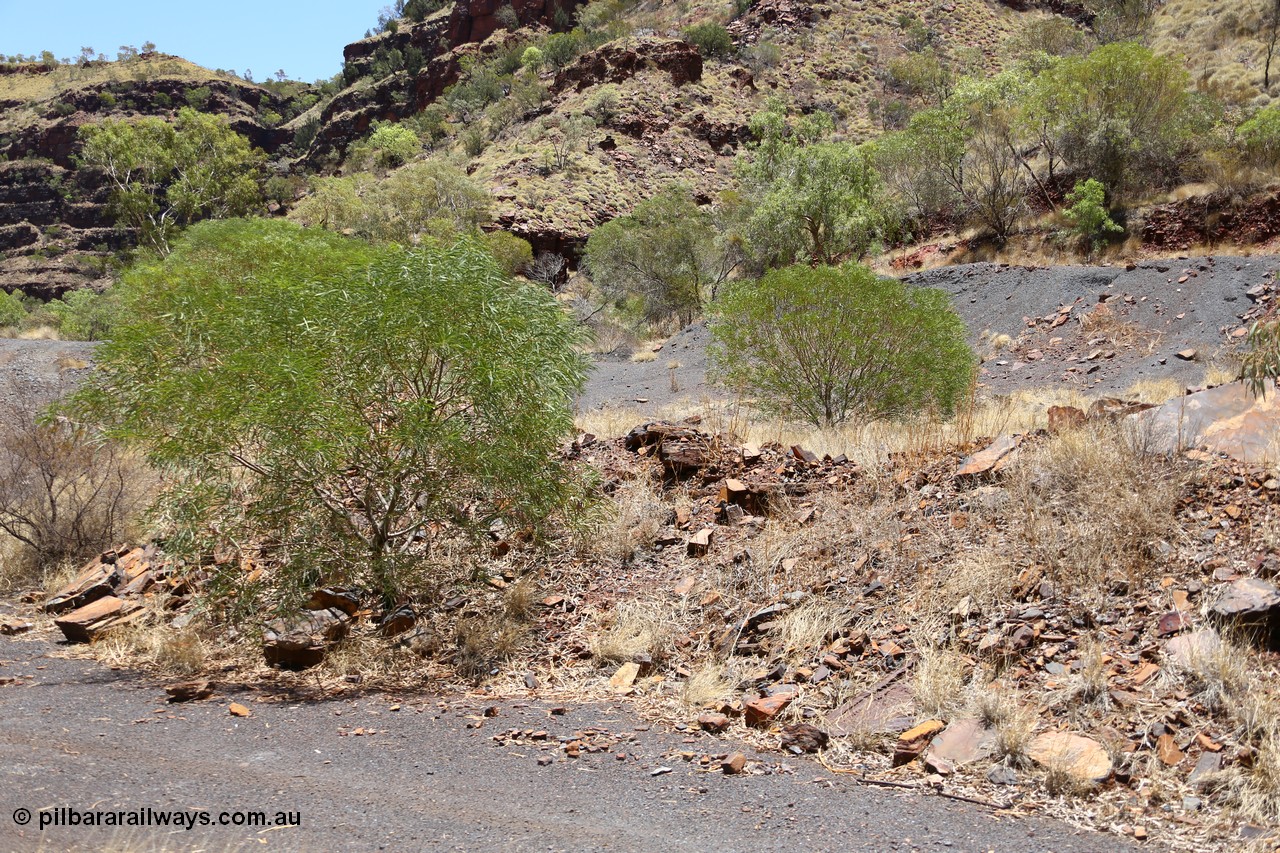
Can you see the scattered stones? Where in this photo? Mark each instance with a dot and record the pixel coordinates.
(14, 627)
(1206, 765)
(625, 676)
(700, 543)
(733, 764)
(1227, 419)
(999, 774)
(913, 741)
(1191, 650)
(1064, 418)
(1168, 752)
(962, 742)
(88, 623)
(991, 459)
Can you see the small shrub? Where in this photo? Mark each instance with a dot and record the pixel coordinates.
(63, 495)
(511, 253)
(84, 315)
(12, 312)
(560, 49)
(712, 40)
(1088, 211)
(394, 145)
(827, 344)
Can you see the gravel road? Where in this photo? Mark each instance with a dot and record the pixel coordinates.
(81, 735)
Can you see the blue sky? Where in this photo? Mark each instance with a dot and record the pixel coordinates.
(304, 37)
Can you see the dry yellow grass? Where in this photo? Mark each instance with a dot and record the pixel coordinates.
(634, 628)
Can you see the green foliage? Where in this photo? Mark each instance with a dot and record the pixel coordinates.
(666, 254)
(1048, 36)
(532, 58)
(923, 75)
(418, 10)
(334, 406)
(394, 144)
(12, 311)
(84, 315)
(473, 140)
(810, 200)
(512, 253)
(827, 344)
(559, 49)
(1262, 361)
(1088, 213)
(1122, 20)
(1121, 113)
(1260, 138)
(166, 175)
(603, 105)
(711, 38)
(196, 97)
(424, 200)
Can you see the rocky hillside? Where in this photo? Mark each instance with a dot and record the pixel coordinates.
(55, 231)
(660, 111)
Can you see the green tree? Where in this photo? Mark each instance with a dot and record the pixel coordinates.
(1087, 210)
(424, 200)
(1122, 20)
(334, 406)
(166, 175)
(532, 58)
(828, 344)
(1121, 114)
(666, 253)
(712, 40)
(512, 253)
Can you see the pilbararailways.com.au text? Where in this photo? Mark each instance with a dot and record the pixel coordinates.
(64, 816)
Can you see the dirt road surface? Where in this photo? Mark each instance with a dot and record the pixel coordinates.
(81, 735)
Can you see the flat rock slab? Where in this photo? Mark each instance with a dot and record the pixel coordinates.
(991, 459)
(1192, 650)
(1248, 597)
(1228, 419)
(963, 742)
(88, 623)
(1082, 757)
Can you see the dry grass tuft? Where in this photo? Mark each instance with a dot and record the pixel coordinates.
(636, 516)
(708, 684)
(520, 603)
(484, 643)
(634, 629)
(1014, 722)
(938, 684)
(809, 626)
(1093, 505)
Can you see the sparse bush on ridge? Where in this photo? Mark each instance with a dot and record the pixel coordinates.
(712, 39)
